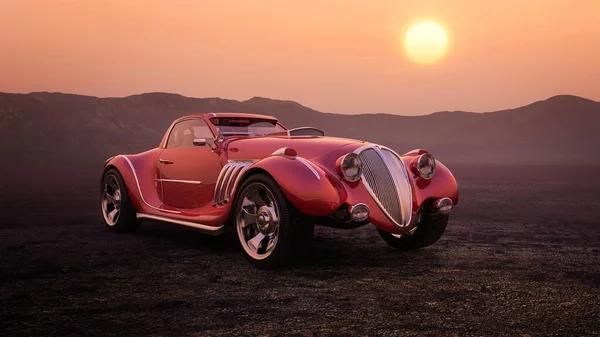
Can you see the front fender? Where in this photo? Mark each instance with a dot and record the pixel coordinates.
(441, 185)
(305, 185)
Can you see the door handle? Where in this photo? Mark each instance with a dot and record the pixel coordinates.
(165, 161)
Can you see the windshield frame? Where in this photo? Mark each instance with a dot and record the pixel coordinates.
(221, 129)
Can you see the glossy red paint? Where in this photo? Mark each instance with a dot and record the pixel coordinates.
(179, 183)
(142, 176)
(309, 189)
(262, 147)
(184, 185)
(443, 184)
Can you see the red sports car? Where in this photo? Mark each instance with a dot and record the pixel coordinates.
(274, 184)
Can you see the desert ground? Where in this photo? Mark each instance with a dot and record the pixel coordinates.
(521, 256)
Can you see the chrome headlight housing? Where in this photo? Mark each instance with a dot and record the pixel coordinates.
(426, 166)
(351, 167)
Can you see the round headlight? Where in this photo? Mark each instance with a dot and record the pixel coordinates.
(351, 167)
(444, 205)
(426, 166)
(359, 212)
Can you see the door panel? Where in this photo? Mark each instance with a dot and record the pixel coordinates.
(188, 177)
(188, 169)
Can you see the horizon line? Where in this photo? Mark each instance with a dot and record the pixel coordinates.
(295, 102)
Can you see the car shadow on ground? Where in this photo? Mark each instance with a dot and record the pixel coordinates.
(328, 248)
(183, 237)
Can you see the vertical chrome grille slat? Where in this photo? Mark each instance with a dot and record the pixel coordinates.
(387, 180)
(401, 181)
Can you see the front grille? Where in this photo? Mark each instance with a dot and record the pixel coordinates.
(386, 178)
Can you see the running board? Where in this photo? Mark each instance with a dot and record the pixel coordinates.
(212, 230)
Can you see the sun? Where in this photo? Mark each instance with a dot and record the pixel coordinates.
(425, 42)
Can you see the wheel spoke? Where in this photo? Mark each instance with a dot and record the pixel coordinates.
(257, 221)
(255, 242)
(271, 243)
(249, 219)
(112, 183)
(256, 198)
(247, 203)
(109, 198)
(113, 214)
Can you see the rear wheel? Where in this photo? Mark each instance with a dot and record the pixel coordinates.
(270, 229)
(428, 231)
(117, 211)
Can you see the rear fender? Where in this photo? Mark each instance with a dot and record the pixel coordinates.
(305, 185)
(138, 173)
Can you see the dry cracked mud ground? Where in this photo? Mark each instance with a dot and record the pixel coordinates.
(520, 257)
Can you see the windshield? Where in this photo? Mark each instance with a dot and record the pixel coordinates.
(233, 126)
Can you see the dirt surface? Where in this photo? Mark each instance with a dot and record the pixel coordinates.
(520, 257)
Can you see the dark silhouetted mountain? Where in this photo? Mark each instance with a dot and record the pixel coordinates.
(561, 129)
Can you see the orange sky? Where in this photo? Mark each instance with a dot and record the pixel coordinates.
(335, 56)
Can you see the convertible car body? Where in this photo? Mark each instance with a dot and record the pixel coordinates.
(273, 184)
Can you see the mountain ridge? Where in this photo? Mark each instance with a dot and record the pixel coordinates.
(261, 99)
(556, 130)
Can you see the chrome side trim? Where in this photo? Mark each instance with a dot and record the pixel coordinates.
(280, 152)
(140, 189)
(213, 230)
(305, 162)
(107, 160)
(228, 180)
(180, 181)
(405, 219)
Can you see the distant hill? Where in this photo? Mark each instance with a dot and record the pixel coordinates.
(561, 129)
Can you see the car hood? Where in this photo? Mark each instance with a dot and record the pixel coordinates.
(307, 147)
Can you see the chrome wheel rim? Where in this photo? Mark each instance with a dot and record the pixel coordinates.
(111, 200)
(412, 230)
(257, 221)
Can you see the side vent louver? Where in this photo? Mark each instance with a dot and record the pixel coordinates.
(228, 180)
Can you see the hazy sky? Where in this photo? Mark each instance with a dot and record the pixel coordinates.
(336, 56)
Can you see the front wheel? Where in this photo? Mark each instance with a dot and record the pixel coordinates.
(270, 229)
(429, 229)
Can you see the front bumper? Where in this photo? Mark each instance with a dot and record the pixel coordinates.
(439, 194)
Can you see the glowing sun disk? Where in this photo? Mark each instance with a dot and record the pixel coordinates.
(425, 42)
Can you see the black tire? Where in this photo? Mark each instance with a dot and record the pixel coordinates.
(429, 230)
(125, 218)
(294, 228)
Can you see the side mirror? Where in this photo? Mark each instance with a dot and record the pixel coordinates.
(216, 148)
(199, 141)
